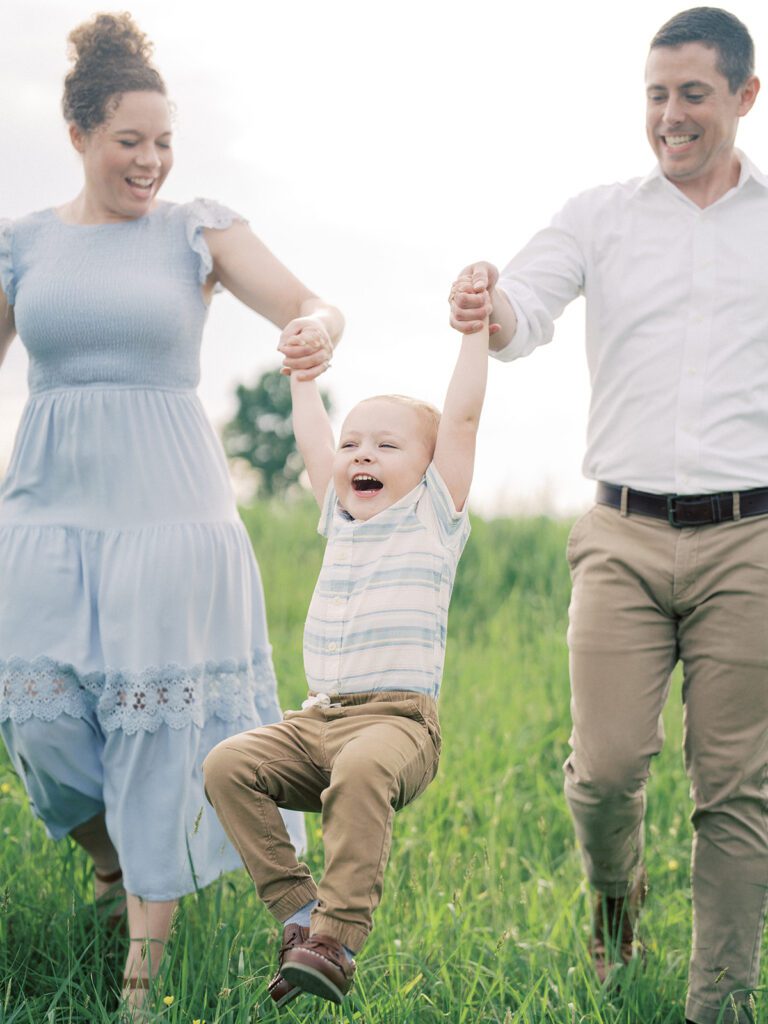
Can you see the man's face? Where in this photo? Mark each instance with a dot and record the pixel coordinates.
(692, 115)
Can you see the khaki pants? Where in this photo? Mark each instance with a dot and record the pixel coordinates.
(646, 594)
(356, 764)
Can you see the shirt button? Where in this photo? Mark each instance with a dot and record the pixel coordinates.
(332, 647)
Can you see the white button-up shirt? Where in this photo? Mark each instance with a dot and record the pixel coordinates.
(676, 328)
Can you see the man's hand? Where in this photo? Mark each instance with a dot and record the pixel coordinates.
(306, 348)
(470, 297)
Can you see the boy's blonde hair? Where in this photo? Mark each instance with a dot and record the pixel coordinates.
(428, 414)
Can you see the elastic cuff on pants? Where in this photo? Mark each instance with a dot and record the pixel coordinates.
(352, 936)
(703, 1013)
(292, 900)
(613, 890)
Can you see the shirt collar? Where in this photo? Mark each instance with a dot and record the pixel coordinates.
(748, 170)
(407, 500)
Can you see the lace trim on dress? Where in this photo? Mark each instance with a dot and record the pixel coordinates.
(136, 701)
(7, 280)
(206, 213)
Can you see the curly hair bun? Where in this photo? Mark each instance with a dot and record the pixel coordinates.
(111, 55)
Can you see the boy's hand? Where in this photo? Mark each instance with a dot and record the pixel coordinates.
(470, 297)
(306, 348)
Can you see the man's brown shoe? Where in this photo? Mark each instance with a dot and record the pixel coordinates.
(280, 990)
(613, 927)
(320, 966)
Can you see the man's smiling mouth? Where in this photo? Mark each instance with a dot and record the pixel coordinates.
(674, 141)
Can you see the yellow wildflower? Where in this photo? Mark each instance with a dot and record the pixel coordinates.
(5, 788)
(673, 864)
(168, 1000)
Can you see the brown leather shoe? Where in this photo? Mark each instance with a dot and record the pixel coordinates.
(320, 966)
(613, 927)
(280, 990)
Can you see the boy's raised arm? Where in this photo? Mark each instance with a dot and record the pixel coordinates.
(314, 437)
(455, 448)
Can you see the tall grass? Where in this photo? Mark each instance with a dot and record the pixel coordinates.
(485, 914)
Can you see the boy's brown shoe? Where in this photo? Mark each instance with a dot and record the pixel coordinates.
(613, 927)
(280, 990)
(319, 965)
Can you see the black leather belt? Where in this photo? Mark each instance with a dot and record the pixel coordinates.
(687, 509)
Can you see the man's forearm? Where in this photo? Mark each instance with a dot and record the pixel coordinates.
(504, 316)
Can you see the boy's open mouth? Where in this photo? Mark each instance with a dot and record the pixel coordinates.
(366, 482)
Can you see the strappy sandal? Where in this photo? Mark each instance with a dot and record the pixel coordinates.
(142, 1013)
(135, 1014)
(112, 901)
(134, 983)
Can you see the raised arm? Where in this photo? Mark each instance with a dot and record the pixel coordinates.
(314, 437)
(7, 325)
(455, 448)
(474, 296)
(246, 267)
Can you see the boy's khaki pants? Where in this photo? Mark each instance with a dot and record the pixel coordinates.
(356, 763)
(646, 594)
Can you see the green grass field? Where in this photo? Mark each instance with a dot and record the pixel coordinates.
(485, 914)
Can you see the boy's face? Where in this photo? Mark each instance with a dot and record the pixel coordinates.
(383, 453)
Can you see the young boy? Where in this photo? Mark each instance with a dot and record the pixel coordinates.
(367, 740)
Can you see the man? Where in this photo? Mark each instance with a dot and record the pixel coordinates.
(672, 562)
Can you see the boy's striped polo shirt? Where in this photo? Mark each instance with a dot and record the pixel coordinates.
(378, 616)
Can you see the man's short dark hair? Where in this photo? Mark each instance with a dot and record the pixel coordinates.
(719, 30)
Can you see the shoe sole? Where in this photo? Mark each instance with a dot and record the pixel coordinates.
(296, 991)
(308, 979)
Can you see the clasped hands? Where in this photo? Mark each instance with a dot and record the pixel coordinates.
(306, 348)
(470, 297)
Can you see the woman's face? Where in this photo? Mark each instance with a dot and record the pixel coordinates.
(127, 159)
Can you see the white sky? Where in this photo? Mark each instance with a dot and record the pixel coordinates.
(376, 148)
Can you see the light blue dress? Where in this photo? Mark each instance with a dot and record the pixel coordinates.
(132, 629)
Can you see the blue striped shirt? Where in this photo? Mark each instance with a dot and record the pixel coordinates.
(378, 616)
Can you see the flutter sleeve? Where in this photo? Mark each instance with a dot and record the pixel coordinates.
(206, 213)
(7, 276)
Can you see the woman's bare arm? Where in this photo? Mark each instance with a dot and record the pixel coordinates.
(245, 266)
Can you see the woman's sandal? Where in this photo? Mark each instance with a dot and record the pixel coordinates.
(112, 901)
(134, 983)
(142, 1012)
(131, 1014)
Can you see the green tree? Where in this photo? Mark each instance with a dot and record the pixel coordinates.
(260, 434)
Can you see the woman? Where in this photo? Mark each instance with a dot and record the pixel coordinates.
(132, 628)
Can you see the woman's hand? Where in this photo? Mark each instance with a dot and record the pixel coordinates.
(306, 347)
